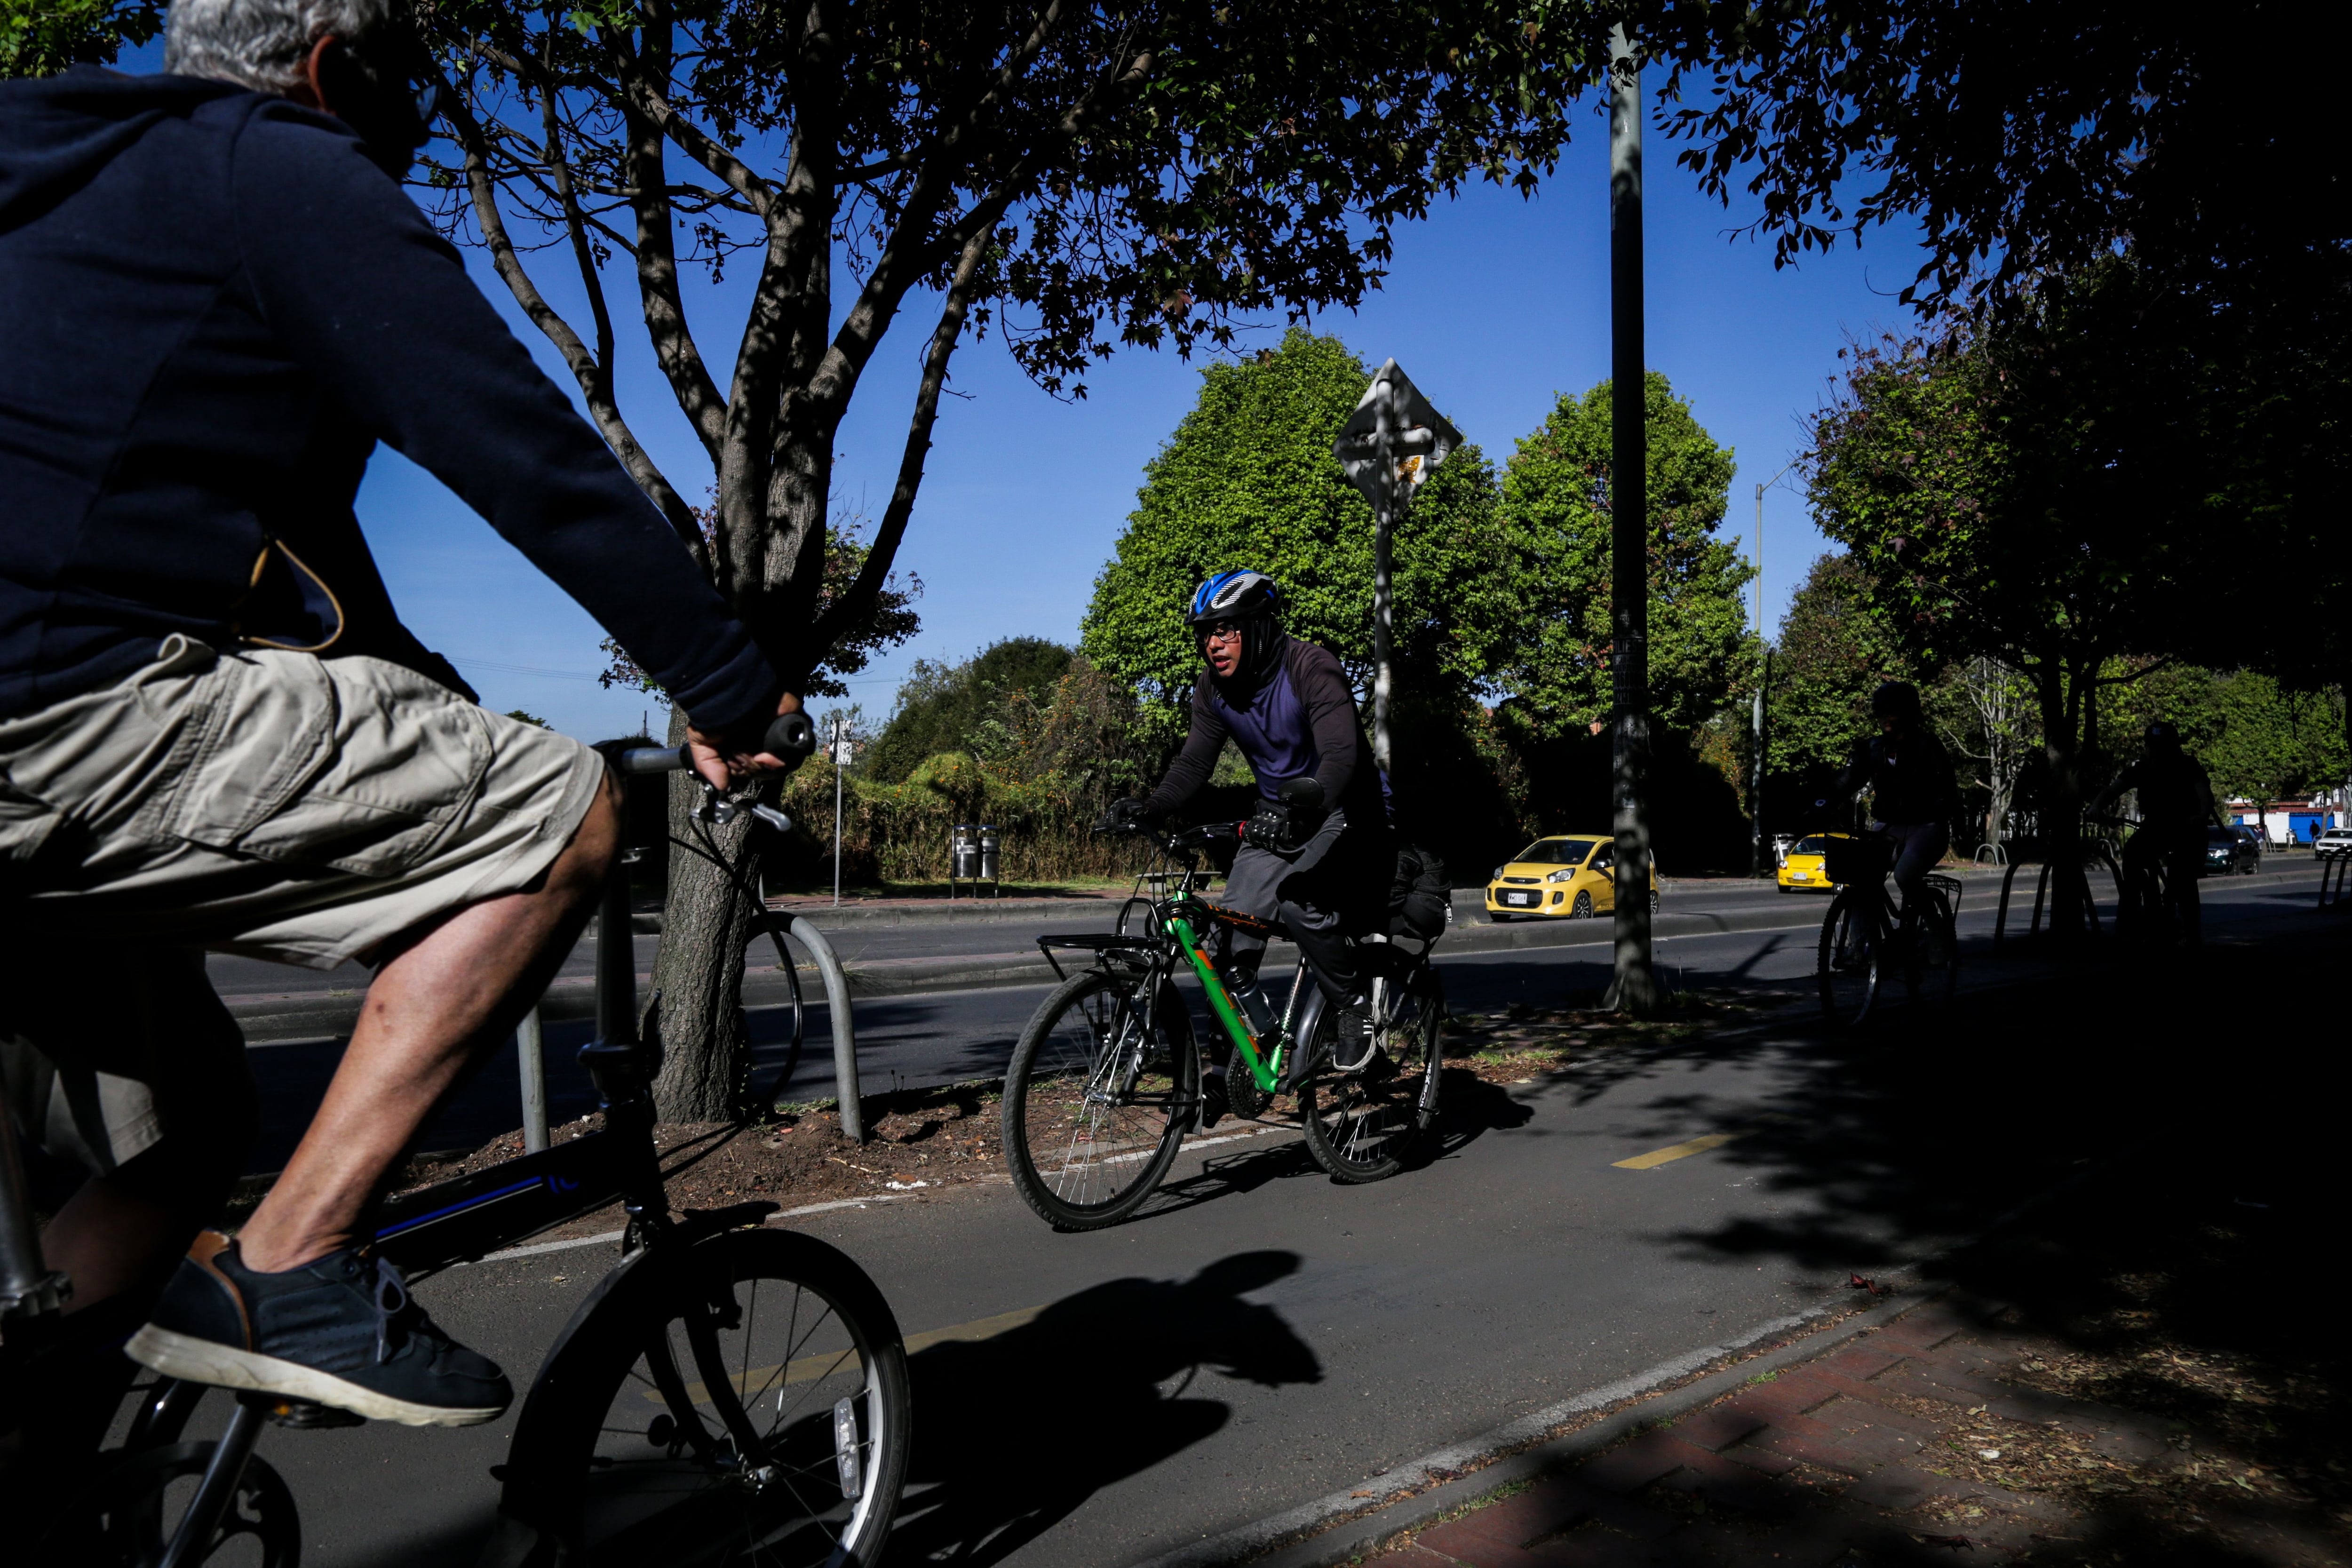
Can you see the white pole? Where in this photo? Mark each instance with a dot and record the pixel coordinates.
(839, 724)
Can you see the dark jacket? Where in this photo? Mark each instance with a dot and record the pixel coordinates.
(1296, 717)
(213, 305)
(1909, 775)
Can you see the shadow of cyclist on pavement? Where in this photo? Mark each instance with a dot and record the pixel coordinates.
(1017, 1431)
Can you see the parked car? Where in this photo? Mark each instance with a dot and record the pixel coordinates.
(1804, 868)
(2229, 850)
(2332, 841)
(1566, 877)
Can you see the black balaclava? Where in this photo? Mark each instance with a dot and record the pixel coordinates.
(1261, 657)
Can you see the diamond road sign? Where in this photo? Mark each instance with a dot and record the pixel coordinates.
(1393, 438)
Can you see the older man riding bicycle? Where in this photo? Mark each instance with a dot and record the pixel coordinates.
(217, 736)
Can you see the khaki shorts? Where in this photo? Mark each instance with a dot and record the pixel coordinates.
(274, 805)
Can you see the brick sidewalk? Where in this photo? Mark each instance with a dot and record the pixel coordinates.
(1893, 1450)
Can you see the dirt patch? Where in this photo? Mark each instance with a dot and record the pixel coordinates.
(1522, 1042)
(924, 1142)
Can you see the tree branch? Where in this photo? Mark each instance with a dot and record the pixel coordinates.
(673, 342)
(646, 100)
(857, 601)
(594, 377)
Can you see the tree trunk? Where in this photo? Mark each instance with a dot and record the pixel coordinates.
(706, 1058)
(2062, 809)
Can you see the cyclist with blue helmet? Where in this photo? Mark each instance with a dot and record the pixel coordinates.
(1287, 706)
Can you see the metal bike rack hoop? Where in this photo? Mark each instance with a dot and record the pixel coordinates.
(839, 1019)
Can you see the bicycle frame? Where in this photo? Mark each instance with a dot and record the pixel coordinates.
(1298, 1018)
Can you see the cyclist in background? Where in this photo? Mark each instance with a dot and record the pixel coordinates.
(1914, 794)
(2175, 806)
(1287, 706)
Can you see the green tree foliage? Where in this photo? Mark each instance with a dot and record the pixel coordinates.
(1832, 654)
(2257, 740)
(962, 707)
(41, 37)
(2027, 137)
(1060, 751)
(1248, 480)
(2027, 492)
(1556, 508)
(2035, 140)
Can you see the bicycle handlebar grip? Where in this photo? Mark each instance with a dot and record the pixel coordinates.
(792, 735)
(650, 760)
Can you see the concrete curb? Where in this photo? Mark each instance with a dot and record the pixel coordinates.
(298, 1017)
(1504, 1456)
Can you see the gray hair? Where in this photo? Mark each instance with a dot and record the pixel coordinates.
(260, 43)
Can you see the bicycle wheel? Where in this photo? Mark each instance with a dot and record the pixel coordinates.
(1846, 968)
(1361, 1126)
(1097, 1098)
(1931, 970)
(742, 1401)
(126, 1516)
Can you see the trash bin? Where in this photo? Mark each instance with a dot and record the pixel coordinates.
(963, 853)
(991, 852)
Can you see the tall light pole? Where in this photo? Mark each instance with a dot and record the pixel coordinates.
(1763, 678)
(1635, 988)
(1388, 446)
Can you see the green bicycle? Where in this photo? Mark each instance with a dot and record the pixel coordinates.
(1105, 1081)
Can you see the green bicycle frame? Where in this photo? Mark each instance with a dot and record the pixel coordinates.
(1265, 1069)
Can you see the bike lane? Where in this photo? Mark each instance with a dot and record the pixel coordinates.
(1262, 1337)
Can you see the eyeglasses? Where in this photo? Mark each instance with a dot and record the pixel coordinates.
(1222, 631)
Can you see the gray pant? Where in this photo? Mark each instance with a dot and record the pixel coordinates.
(1918, 848)
(1310, 890)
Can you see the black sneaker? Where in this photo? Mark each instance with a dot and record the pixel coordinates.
(340, 1332)
(1214, 1101)
(1351, 1036)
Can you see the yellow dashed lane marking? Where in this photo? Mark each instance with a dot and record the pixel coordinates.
(1657, 1157)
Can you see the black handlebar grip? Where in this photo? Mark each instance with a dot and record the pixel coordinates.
(792, 735)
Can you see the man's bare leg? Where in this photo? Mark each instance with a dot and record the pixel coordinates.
(474, 972)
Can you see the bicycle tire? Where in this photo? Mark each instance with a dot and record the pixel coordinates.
(1847, 962)
(774, 930)
(1361, 1127)
(1927, 982)
(125, 1516)
(624, 1467)
(1104, 1108)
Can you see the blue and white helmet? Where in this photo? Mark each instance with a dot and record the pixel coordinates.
(1237, 596)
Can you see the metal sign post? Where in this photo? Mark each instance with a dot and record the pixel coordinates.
(1388, 446)
(840, 752)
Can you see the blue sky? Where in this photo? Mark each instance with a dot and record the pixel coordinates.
(1495, 306)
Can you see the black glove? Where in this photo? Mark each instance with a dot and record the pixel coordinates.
(1124, 816)
(1268, 826)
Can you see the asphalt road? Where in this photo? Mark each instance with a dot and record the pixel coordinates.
(946, 1036)
(1260, 1337)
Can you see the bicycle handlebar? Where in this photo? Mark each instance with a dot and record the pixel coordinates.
(790, 736)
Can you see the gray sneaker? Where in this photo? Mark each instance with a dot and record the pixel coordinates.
(341, 1331)
(1351, 1036)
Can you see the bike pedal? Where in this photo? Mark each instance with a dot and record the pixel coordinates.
(309, 1415)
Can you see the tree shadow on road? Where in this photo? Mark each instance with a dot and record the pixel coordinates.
(2127, 1162)
(1018, 1431)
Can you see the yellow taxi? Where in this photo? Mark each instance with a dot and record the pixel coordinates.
(1566, 877)
(1805, 867)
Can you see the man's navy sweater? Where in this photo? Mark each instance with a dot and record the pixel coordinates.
(213, 304)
